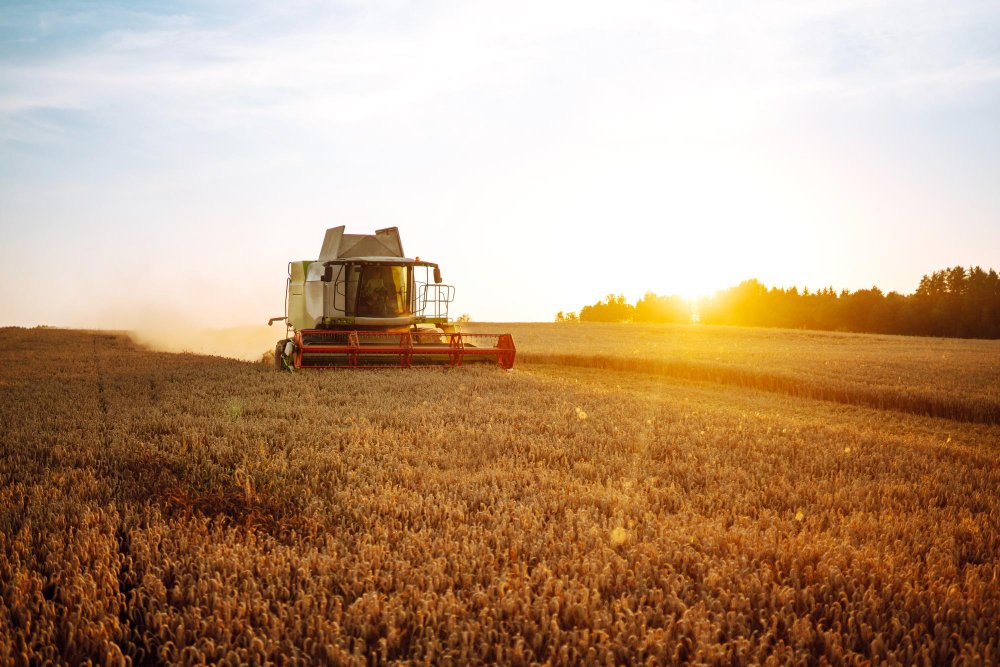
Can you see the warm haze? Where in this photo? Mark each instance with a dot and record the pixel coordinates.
(163, 164)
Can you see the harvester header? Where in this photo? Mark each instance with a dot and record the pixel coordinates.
(364, 303)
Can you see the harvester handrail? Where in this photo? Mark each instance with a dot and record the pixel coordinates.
(440, 308)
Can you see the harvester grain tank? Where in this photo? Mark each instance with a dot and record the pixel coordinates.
(364, 303)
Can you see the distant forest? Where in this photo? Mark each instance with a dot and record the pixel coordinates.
(955, 302)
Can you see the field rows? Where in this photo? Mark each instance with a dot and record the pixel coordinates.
(182, 508)
(954, 379)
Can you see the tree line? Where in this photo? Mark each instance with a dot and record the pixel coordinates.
(954, 302)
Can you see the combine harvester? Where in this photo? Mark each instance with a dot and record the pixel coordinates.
(363, 304)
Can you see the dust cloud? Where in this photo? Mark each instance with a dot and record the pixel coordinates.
(248, 342)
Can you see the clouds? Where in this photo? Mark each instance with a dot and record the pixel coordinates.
(333, 64)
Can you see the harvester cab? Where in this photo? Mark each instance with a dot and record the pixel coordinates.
(364, 303)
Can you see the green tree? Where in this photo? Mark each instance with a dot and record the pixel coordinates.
(614, 308)
(663, 309)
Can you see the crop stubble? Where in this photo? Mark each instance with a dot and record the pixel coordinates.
(179, 508)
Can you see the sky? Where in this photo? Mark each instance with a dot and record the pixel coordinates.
(162, 162)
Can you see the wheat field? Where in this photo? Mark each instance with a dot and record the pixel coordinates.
(644, 495)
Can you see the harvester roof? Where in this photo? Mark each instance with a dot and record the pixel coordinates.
(383, 244)
(380, 260)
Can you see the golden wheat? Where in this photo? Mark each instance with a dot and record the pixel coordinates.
(950, 378)
(178, 508)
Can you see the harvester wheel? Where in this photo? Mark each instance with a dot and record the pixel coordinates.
(279, 355)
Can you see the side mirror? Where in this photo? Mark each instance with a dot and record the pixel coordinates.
(328, 274)
(437, 275)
